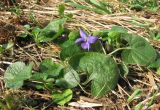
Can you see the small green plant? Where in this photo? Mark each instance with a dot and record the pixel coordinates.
(17, 73)
(32, 17)
(16, 10)
(53, 30)
(63, 97)
(97, 65)
(5, 47)
(155, 34)
(10, 102)
(91, 61)
(136, 94)
(139, 5)
(61, 11)
(147, 103)
(96, 6)
(158, 71)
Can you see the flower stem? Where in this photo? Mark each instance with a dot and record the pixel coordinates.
(118, 50)
(104, 51)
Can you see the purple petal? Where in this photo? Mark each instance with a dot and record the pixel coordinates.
(92, 39)
(80, 40)
(85, 45)
(83, 34)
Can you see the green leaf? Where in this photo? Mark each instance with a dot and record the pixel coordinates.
(99, 5)
(78, 6)
(1, 49)
(158, 71)
(155, 64)
(81, 7)
(116, 31)
(102, 69)
(37, 76)
(50, 68)
(67, 43)
(95, 2)
(35, 33)
(138, 106)
(61, 9)
(27, 27)
(115, 35)
(140, 51)
(69, 80)
(119, 29)
(97, 47)
(72, 78)
(69, 16)
(137, 7)
(8, 45)
(61, 82)
(16, 73)
(135, 94)
(73, 35)
(157, 37)
(23, 35)
(152, 99)
(54, 25)
(124, 1)
(123, 69)
(51, 31)
(154, 34)
(69, 51)
(102, 33)
(62, 98)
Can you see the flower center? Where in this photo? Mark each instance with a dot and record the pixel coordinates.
(86, 39)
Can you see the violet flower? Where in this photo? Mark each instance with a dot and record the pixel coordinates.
(86, 40)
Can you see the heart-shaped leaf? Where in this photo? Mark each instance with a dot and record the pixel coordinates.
(102, 69)
(72, 78)
(16, 73)
(50, 68)
(140, 51)
(51, 31)
(69, 51)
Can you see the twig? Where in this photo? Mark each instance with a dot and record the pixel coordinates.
(28, 54)
(6, 62)
(146, 100)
